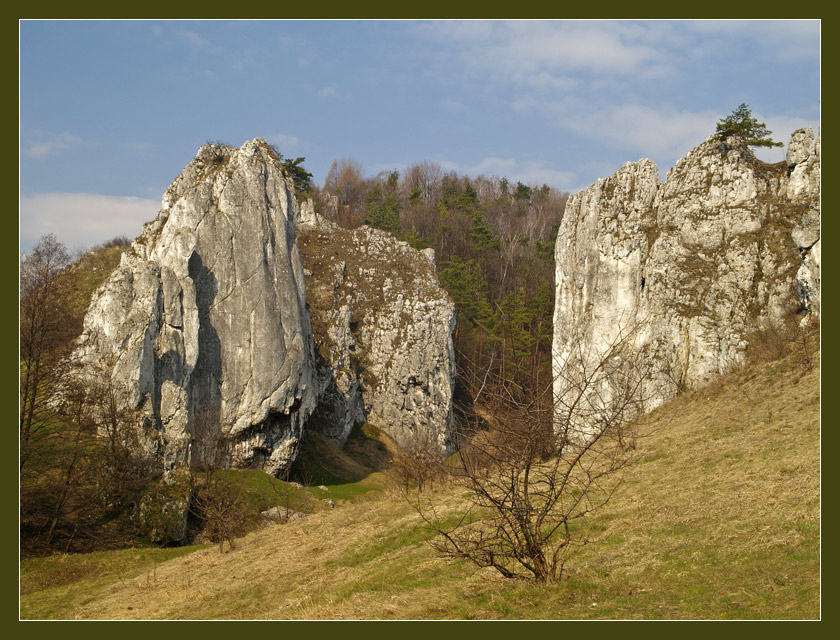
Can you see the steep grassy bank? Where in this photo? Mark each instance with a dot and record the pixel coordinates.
(718, 518)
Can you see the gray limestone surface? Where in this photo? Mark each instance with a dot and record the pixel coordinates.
(203, 328)
(383, 331)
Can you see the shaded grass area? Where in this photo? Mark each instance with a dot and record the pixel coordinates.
(348, 472)
(718, 518)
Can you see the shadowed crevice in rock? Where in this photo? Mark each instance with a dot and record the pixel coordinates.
(204, 394)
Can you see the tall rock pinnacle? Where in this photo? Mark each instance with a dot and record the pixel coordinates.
(203, 329)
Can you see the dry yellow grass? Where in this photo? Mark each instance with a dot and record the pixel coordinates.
(719, 517)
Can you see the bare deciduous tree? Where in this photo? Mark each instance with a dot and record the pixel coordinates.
(345, 179)
(90, 472)
(534, 461)
(46, 331)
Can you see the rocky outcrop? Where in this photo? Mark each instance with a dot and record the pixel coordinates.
(803, 188)
(689, 267)
(203, 328)
(383, 331)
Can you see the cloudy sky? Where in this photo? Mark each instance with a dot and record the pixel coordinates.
(111, 111)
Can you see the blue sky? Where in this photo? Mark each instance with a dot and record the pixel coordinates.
(111, 111)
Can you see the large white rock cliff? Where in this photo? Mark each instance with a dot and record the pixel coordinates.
(203, 329)
(383, 331)
(725, 246)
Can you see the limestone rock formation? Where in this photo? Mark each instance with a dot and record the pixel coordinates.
(383, 331)
(203, 328)
(726, 245)
(803, 188)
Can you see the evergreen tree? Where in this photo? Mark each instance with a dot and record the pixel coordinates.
(382, 207)
(748, 131)
(513, 325)
(481, 235)
(504, 185)
(523, 192)
(301, 177)
(466, 285)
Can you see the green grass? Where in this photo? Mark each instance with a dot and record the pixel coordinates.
(343, 491)
(261, 491)
(88, 273)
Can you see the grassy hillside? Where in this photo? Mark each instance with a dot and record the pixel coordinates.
(717, 518)
(85, 275)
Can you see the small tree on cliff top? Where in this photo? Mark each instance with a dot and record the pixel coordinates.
(749, 132)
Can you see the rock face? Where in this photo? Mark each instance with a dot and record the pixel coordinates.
(383, 331)
(204, 328)
(803, 187)
(725, 246)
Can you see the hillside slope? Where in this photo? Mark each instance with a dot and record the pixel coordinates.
(719, 517)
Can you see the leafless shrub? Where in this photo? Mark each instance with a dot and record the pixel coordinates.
(218, 151)
(778, 340)
(123, 467)
(216, 501)
(419, 460)
(221, 506)
(90, 473)
(535, 460)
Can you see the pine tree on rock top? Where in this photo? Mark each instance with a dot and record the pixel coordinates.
(748, 131)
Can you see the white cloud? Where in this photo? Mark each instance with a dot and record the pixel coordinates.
(82, 219)
(663, 132)
(492, 166)
(283, 140)
(193, 39)
(47, 143)
(538, 173)
(624, 84)
(328, 92)
(556, 46)
(784, 39)
(525, 171)
(545, 53)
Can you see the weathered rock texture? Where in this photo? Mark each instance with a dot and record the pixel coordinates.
(725, 246)
(204, 328)
(383, 331)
